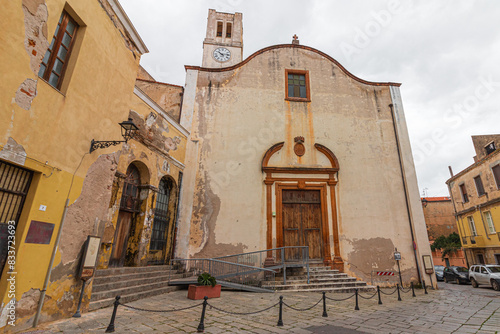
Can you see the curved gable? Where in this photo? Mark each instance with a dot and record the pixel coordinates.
(298, 46)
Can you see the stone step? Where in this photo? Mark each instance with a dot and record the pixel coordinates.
(94, 305)
(128, 277)
(130, 270)
(366, 289)
(126, 283)
(311, 281)
(311, 277)
(127, 290)
(319, 286)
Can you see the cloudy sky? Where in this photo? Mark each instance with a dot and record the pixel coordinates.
(445, 53)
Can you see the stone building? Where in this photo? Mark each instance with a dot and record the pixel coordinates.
(440, 221)
(69, 71)
(288, 148)
(475, 193)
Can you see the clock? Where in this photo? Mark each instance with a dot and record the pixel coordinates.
(222, 54)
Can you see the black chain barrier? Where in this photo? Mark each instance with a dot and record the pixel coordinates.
(161, 311)
(242, 313)
(388, 294)
(281, 303)
(303, 309)
(340, 300)
(369, 297)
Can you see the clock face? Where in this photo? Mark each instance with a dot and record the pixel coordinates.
(222, 54)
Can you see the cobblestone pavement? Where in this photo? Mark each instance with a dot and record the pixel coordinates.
(451, 309)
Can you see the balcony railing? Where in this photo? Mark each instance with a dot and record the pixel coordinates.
(473, 241)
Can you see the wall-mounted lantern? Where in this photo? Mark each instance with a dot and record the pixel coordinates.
(128, 129)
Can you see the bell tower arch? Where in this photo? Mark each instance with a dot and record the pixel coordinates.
(223, 44)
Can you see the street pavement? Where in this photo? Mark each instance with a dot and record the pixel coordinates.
(450, 309)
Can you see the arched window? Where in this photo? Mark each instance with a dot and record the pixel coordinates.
(130, 197)
(162, 215)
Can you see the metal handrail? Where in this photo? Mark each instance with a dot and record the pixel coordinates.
(231, 272)
(240, 266)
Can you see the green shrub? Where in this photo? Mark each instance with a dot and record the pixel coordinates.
(207, 279)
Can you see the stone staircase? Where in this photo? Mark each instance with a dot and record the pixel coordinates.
(320, 279)
(131, 283)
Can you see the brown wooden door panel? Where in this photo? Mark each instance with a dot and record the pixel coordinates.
(313, 240)
(121, 238)
(301, 218)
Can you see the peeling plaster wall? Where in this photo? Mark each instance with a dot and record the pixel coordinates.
(49, 132)
(168, 97)
(239, 114)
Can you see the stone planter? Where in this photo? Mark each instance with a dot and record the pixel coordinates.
(200, 291)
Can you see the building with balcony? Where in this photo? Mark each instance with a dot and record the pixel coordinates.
(475, 193)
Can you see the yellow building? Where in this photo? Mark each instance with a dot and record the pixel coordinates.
(475, 192)
(69, 76)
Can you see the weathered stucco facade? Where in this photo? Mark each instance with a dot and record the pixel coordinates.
(45, 134)
(242, 155)
(475, 192)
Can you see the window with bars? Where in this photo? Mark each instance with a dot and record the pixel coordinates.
(56, 58)
(14, 185)
(479, 185)
(297, 85)
(161, 220)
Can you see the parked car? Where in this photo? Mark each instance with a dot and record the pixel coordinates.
(456, 274)
(485, 274)
(439, 272)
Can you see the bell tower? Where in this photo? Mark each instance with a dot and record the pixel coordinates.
(223, 45)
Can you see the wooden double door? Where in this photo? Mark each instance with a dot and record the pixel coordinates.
(302, 222)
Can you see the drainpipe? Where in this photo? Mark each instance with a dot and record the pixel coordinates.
(406, 193)
(49, 269)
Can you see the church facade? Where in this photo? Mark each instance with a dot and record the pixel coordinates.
(288, 148)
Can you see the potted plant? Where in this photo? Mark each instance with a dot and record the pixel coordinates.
(207, 286)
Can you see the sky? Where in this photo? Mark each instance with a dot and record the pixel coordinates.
(445, 53)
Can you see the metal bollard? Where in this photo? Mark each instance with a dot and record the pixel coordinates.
(77, 313)
(378, 292)
(324, 305)
(280, 320)
(412, 290)
(425, 287)
(111, 326)
(356, 308)
(399, 295)
(201, 326)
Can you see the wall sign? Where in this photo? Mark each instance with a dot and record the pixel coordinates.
(39, 233)
(429, 268)
(397, 256)
(89, 259)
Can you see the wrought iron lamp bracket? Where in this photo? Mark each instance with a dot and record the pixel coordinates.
(96, 144)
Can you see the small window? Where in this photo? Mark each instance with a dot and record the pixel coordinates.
(496, 175)
(463, 192)
(479, 185)
(297, 85)
(490, 148)
(219, 29)
(472, 226)
(56, 58)
(489, 222)
(228, 30)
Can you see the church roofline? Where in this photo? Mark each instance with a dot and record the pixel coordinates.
(281, 46)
